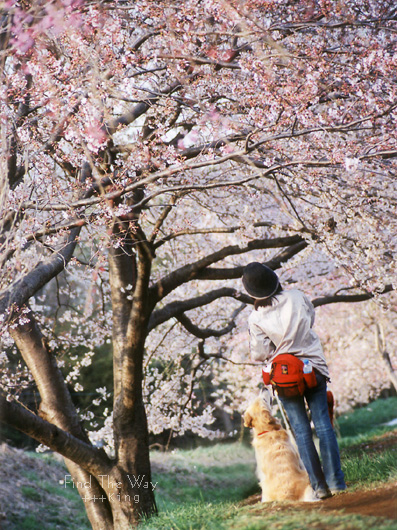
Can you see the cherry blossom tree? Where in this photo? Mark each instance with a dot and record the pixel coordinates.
(360, 345)
(151, 150)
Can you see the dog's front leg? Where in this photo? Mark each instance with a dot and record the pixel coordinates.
(265, 493)
(265, 498)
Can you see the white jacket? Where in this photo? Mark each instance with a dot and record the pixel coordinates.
(286, 327)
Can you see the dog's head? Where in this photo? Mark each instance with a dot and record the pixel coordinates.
(259, 418)
(266, 396)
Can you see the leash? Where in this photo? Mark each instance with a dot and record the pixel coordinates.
(286, 422)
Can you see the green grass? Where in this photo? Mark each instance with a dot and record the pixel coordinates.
(230, 516)
(201, 489)
(251, 519)
(212, 474)
(370, 459)
(186, 503)
(35, 499)
(195, 516)
(368, 420)
(365, 469)
(368, 447)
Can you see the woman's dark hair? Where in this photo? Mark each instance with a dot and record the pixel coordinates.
(266, 302)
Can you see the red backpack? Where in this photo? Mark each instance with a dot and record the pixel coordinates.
(286, 376)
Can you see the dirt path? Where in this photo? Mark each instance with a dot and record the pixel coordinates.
(379, 502)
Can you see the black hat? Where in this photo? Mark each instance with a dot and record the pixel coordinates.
(259, 280)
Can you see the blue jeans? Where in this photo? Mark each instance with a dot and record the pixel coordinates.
(332, 477)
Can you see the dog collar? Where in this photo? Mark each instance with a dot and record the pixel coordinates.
(263, 432)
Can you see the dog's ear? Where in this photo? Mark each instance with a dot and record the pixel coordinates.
(248, 420)
(270, 420)
(267, 416)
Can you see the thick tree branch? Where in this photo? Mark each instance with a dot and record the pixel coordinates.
(15, 172)
(161, 219)
(203, 333)
(213, 273)
(88, 457)
(334, 299)
(141, 40)
(19, 292)
(56, 404)
(201, 60)
(174, 309)
(139, 109)
(286, 254)
(190, 272)
(36, 236)
(208, 332)
(192, 152)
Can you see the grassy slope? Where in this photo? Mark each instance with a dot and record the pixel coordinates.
(201, 489)
(196, 492)
(32, 496)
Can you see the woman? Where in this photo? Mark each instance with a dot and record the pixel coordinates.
(281, 322)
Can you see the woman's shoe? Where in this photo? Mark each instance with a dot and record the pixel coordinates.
(338, 491)
(323, 494)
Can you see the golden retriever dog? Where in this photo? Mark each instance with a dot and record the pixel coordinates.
(280, 470)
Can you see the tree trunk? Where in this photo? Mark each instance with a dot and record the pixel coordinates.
(129, 285)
